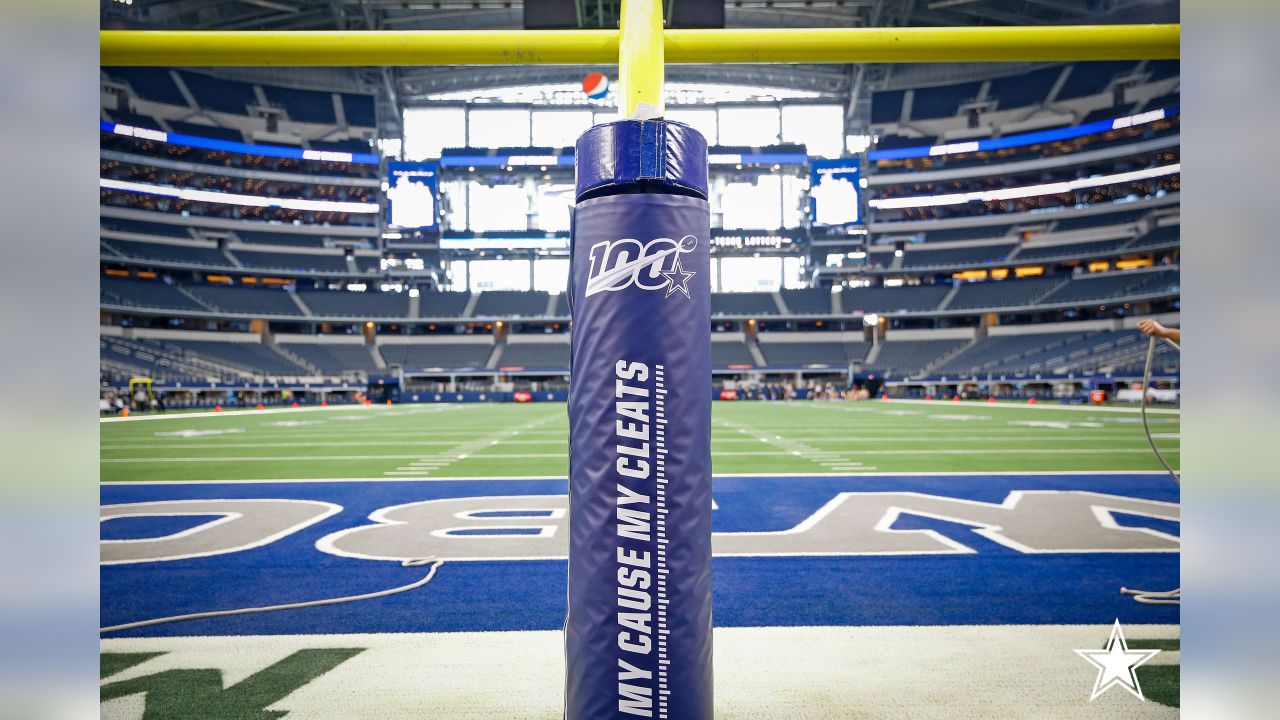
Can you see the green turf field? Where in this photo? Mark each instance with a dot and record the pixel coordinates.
(479, 440)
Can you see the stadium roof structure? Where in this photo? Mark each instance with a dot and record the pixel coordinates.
(399, 87)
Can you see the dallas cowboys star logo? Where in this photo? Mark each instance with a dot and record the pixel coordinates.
(1116, 664)
(677, 271)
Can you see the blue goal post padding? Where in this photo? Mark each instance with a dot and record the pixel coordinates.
(638, 630)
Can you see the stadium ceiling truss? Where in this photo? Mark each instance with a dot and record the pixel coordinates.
(400, 87)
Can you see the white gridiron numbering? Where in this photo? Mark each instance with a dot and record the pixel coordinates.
(660, 477)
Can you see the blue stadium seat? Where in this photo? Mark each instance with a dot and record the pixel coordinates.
(334, 358)
(799, 353)
(292, 261)
(1023, 90)
(249, 356)
(536, 355)
(1165, 235)
(972, 233)
(368, 264)
(443, 304)
(1113, 285)
(1005, 353)
(893, 142)
(144, 227)
(145, 294)
(1163, 69)
(726, 353)
(743, 303)
(517, 303)
(246, 300)
(429, 354)
(262, 237)
(911, 357)
(150, 84)
(942, 101)
(1054, 352)
(359, 110)
(1091, 78)
(206, 131)
(810, 301)
(363, 305)
(1099, 220)
(1001, 293)
(1108, 113)
(886, 106)
(1072, 250)
(1163, 101)
(202, 256)
(213, 93)
(303, 105)
(893, 299)
(916, 256)
(350, 146)
(125, 117)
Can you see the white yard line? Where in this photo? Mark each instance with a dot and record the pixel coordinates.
(561, 478)
(238, 413)
(462, 451)
(1046, 405)
(1035, 437)
(532, 456)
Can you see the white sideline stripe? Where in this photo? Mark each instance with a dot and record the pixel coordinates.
(720, 432)
(562, 478)
(830, 405)
(382, 410)
(231, 413)
(1130, 437)
(947, 404)
(535, 456)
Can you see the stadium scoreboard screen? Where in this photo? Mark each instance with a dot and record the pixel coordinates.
(412, 198)
(834, 192)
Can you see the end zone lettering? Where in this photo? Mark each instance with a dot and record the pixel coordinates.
(634, 532)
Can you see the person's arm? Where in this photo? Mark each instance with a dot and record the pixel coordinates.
(1155, 329)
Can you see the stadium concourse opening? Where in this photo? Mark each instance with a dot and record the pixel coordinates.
(413, 317)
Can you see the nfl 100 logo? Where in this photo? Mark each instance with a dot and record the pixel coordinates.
(655, 265)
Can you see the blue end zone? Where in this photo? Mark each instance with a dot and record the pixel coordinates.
(994, 585)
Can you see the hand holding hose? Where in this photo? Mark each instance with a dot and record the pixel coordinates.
(1156, 330)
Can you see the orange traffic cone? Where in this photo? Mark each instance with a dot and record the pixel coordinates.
(1031, 401)
(295, 404)
(260, 406)
(124, 412)
(388, 401)
(217, 408)
(928, 397)
(955, 398)
(991, 400)
(884, 398)
(324, 403)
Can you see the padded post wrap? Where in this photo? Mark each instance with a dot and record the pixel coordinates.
(638, 631)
